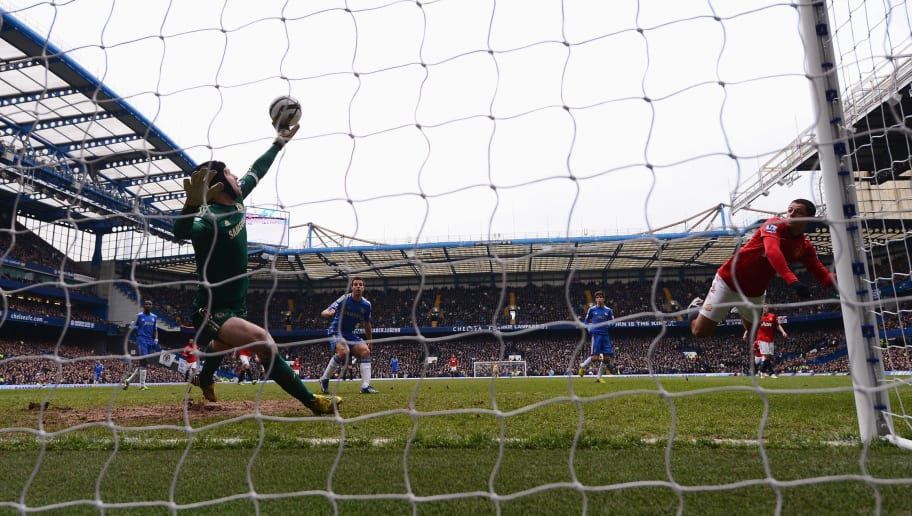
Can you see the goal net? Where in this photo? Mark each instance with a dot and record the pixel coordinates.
(499, 369)
(485, 167)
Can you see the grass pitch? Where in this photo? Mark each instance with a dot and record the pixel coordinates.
(558, 445)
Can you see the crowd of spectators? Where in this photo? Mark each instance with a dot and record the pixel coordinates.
(27, 247)
(38, 361)
(53, 308)
(470, 306)
(456, 306)
(43, 261)
(812, 350)
(893, 278)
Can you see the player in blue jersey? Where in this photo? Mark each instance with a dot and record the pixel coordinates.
(347, 312)
(596, 322)
(146, 327)
(394, 367)
(99, 368)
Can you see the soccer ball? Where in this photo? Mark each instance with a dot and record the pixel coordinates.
(285, 112)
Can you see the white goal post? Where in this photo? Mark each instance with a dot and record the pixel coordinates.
(857, 292)
(499, 368)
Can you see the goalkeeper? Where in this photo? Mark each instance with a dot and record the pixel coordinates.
(217, 230)
(747, 273)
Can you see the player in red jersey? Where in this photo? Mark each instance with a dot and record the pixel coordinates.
(764, 341)
(454, 366)
(244, 356)
(744, 277)
(758, 358)
(190, 354)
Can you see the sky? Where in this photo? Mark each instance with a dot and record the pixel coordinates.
(471, 119)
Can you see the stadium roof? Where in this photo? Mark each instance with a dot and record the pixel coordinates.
(878, 144)
(627, 255)
(72, 147)
(515, 257)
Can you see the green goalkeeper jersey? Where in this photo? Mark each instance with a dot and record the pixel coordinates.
(219, 237)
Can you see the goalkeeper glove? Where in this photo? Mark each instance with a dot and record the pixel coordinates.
(285, 134)
(802, 290)
(198, 189)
